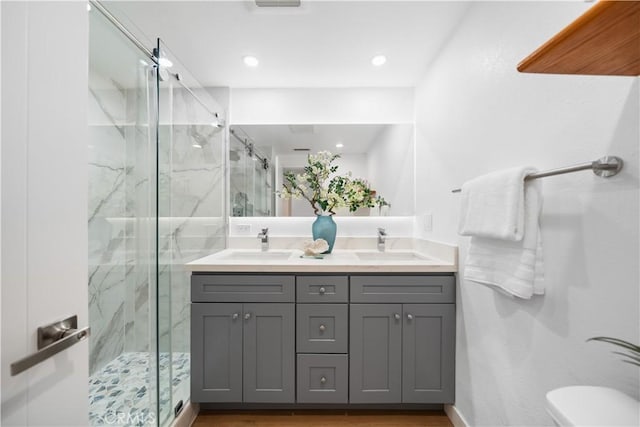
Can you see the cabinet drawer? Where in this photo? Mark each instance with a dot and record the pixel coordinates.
(322, 378)
(322, 288)
(399, 289)
(322, 328)
(241, 288)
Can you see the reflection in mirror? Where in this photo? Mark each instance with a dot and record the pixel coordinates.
(251, 176)
(260, 155)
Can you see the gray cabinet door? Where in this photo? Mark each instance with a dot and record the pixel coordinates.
(375, 365)
(322, 378)
(428, 353)
(322, 328)
(321, 289)
(216, 358)
(242, 288)
(269, 353)
(403, 289)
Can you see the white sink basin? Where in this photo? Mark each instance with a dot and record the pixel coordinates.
(390, 256)
(257, 255)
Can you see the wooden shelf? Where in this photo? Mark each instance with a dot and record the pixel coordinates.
(605, 40)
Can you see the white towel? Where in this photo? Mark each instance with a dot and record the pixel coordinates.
(492, 205)
(505, 255)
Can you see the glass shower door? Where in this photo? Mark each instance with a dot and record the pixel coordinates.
(191, 215)
(156, 201)
(121, 228)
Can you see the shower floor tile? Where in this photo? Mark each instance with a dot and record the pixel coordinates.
(120, 393)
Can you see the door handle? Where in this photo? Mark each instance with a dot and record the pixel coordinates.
(52, 339)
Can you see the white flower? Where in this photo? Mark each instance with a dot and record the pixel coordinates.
(314, 184)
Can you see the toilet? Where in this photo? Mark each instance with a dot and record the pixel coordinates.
(592, 406)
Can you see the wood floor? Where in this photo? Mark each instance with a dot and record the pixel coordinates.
(323, 419)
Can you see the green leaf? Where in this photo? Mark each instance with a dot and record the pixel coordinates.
(633, 356)
(616, 341)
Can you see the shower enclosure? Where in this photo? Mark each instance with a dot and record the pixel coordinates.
(156, 191)
(251, 176)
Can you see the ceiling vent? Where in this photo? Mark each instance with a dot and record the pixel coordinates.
(278, 3)
(302, 149)
(302, 129)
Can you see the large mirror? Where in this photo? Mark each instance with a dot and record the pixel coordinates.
(261, 155)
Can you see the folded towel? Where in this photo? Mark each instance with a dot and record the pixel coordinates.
(492, 205)
(512, 266)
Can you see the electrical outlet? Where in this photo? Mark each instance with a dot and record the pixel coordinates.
(427, 222)
(243, 228)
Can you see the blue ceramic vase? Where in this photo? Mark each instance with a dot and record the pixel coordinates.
(324, 227)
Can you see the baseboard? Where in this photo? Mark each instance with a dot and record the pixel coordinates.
(457, 419)
(187, 416)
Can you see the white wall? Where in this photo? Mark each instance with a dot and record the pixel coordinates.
(476, 114)
(391, 169)
(300, 227)
(321, 105)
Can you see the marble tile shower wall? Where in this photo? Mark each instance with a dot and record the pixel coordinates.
(191, 223)
(119, 228)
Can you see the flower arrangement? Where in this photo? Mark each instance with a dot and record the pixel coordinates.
(326, 191)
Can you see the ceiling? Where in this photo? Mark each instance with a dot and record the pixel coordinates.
(320, 44)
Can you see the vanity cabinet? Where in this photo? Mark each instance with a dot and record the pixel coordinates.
(402, 347)
(402, 353)
(242, 351)
(332, 339)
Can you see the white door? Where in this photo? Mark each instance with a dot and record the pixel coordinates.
(44, 206)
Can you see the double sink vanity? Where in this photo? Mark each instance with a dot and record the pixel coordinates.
(273, 329)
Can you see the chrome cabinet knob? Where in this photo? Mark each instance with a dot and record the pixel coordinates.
(234, 316)
(409, 316)
(323, 380)
(396, 316)
(322, 328)
(247, 316)
(322, 290)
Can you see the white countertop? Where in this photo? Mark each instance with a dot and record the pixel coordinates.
(431, 257)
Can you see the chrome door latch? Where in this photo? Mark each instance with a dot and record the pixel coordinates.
(52, 339)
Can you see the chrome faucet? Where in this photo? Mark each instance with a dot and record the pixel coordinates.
(264, 239)
(382, 237)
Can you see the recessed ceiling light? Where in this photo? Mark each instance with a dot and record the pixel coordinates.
(378, 60)
(196, 145)
(88, 7)
(339, 145)
(250, 61)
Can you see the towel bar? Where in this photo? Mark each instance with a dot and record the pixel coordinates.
(604, 167)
